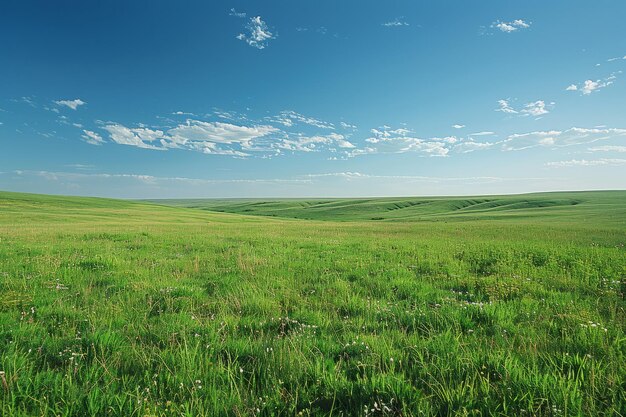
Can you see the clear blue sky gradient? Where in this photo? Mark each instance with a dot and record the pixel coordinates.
(331, 98)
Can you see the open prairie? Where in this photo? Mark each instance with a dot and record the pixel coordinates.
(321, 208)
(381, 307)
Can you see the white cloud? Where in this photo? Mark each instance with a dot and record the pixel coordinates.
(235, 13)
(589, 86)
(28, 100)
(312, 143)
(72, 104)
(258, 34)
(388, 140)
(82, 167)
(587, 163)
(149, 179)
(92, 137)
(458, 126)
(355, 175)
(425, 147)
(341, 141)
(348, 126)
(225, 115)
(537, 108)
(505, 107)
(213, 149)
(608, 148)
(556, 138)
(289, 117)
(485, 133)
(133, 137)
(505, 27)
(513, 26)
(469, 145)
(616, 58)
(445, 139)
(216, 132)
(285, 121)
(398, 22)
(221, 138)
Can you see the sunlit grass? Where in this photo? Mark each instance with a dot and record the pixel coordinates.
(126, 309)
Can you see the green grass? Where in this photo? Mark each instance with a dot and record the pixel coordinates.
(562, 207)
(118, 308)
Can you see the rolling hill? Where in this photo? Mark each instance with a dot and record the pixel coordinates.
(596, 206)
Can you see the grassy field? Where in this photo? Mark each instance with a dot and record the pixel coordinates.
(508, 306)
(565, 207)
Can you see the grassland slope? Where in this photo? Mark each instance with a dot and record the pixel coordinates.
(596, 206)
(117, 308)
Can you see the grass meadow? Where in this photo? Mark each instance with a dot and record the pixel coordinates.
(513, 306)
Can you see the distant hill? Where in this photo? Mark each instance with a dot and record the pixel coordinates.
(592, 208)
(34, 209)
(600, 206)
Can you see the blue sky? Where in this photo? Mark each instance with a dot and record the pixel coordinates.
(303, 98)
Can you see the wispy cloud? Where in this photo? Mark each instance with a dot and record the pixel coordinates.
(608, 148)
(587, 163)
(28, 100)
(512, 26)
(72, 104)
(557, 138)
(92, 137)
(312, 143)
(236, 135)
(289, 118)
(401, 140)
(219, 138)
(345, 125)
(152, 180)
(258, 34)
(589, 86)
(535, 108)
(505, 107)
(397, 22)
(81, 167)
(322, 30)
(216, 137)
(469, 145)
(355, 175)
(139, 137)
(148, 179)
(235, 13)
